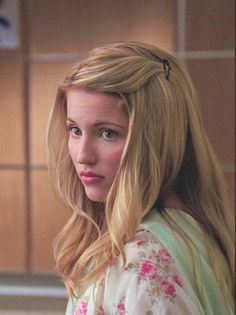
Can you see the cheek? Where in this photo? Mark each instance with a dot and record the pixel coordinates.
(113, 159)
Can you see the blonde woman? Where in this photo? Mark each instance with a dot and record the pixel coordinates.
(129, 155)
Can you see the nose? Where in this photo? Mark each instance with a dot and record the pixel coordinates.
(86, 152)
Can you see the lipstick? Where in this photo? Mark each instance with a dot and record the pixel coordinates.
(89, 178)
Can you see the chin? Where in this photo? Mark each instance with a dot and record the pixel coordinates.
(96, 197)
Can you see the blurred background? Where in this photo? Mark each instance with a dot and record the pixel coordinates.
(47, 38)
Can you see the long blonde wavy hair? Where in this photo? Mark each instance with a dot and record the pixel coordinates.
(166, 152)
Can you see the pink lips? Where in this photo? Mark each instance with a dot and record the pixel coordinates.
(90, 178)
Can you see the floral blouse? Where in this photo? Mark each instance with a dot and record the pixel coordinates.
(157, 278)
(150, 284)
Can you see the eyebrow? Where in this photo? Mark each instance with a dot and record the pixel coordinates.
(71, 120)
(98, 123)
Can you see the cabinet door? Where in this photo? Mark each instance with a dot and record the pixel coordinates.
(13, 221)
(48, 217)
(13, 204)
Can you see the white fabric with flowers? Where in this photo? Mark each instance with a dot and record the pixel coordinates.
(158, 277)
(150, 284)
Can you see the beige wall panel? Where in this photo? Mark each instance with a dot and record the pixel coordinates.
(214, 80)
(210, 24)
(77, 26)
(13, 223)
(48, 217)
(12, 124)
(45, 80)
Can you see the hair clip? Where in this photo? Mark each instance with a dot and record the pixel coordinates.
(167, 67)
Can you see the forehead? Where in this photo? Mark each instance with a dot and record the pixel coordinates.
(89, 103)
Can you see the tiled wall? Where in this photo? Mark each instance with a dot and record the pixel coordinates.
(54, 35)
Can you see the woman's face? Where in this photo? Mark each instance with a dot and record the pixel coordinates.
(98, 128)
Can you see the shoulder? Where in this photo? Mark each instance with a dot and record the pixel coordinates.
(149, 283)
(146, 256)
(148, 261)
(149, 280)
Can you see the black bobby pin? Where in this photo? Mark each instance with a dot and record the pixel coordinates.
(167, 68)
(166, 65)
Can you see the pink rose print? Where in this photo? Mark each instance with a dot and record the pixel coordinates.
(168, 288)
(150, 271)
(122, 309)
(178, 280)
(82, 309)
(165, 256)
(140, 243)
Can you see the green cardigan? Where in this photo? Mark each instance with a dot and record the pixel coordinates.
(157, 225)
